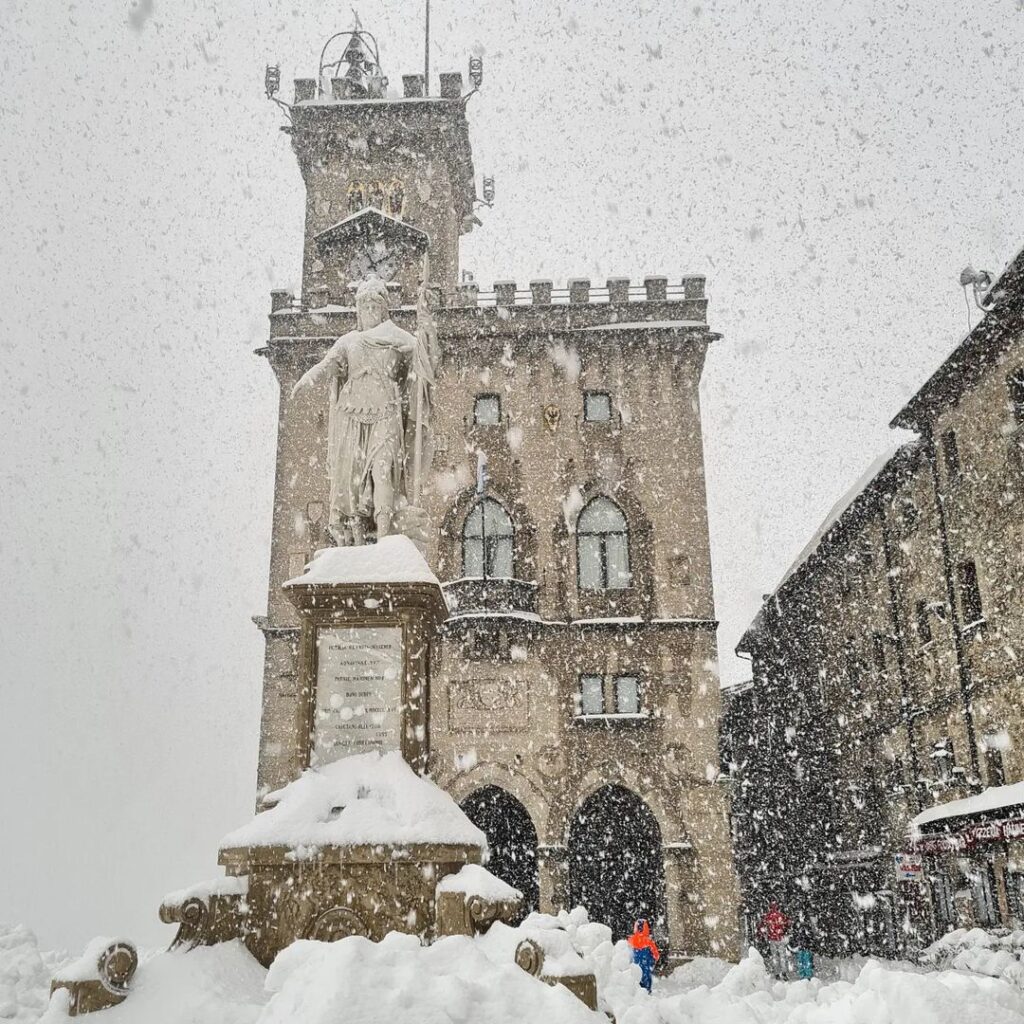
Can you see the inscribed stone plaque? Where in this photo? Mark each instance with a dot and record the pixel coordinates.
(358, 691)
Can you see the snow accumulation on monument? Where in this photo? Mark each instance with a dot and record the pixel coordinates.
(366, 799)
(393, 559)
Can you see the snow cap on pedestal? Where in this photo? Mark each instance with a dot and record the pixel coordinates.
(367, 799)
(393, 559)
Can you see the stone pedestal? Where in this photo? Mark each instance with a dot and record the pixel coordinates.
(364, 652)
(342, 890)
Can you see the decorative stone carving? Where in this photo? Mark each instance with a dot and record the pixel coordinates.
(204, 922)
(337, 923)
(530, 957)
(115, 967)
(339, 891)
(462, 914)
(494, 705)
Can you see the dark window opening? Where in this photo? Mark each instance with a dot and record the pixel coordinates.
(922, 622)
(944, 758)
(1015, 386)
(951, 455)
(995, 773)
(970, 593)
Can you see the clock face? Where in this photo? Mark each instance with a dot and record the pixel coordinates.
(374, 258)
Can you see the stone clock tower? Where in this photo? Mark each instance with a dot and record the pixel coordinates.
(386, 179)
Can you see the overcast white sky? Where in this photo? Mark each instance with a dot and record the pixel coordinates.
(831, 167)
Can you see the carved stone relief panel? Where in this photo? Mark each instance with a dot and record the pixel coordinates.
(488, 705)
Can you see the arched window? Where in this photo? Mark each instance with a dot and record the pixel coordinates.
(487, 540)
(602, 546)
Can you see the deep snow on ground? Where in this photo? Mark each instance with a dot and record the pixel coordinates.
(461, 981)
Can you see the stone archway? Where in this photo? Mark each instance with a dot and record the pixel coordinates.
(511, 837)
(615, 862)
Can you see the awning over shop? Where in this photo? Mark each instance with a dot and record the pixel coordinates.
(994, 815)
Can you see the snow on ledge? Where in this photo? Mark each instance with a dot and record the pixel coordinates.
(366, 799)
(229, 885)
(474, 880)
(393, 559)
(992, 799)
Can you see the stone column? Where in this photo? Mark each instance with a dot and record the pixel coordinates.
(553, 873)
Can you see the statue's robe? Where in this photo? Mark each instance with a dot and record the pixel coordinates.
(365, 441)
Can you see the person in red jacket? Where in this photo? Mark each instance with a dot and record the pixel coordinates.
(774, 926)
(645, 953)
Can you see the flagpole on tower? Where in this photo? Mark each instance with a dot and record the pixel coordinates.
(426, 54)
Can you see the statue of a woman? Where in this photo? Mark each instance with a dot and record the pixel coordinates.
(366, 435)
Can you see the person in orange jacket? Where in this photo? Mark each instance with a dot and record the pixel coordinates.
(774, 926)
(645, 953)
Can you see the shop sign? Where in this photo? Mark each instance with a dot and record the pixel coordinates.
(971, 836)
(909, 867)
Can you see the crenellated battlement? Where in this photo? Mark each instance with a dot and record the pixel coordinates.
(578, 291)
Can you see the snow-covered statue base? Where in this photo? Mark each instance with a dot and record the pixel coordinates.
(357, 847)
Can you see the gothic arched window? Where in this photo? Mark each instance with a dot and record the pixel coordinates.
(487, 536)
(602, 546)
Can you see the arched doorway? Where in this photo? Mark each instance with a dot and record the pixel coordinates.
(511, 837)
(615, 865)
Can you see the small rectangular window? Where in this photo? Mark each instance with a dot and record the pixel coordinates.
(970, 593)
(995, 774)
(908, 515)
(951, 454)
(597, 406)
(487, 410)
(880, 650)
(627, 695)
(592, 695)
(943, 757)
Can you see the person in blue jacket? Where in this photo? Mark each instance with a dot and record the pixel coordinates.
(645, 953)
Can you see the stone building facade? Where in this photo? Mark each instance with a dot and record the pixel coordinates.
(885, 722)
(574, 696)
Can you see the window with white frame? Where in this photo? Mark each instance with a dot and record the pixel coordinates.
(602, 546)
(487, 410)
(605, 696)
(487, 536)
(597, 407)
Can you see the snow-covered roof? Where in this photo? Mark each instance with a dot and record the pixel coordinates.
(366, 799)
(837, 510)
(392, 559)
(995, 798)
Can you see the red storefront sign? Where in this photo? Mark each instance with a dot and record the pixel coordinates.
(971, 836)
